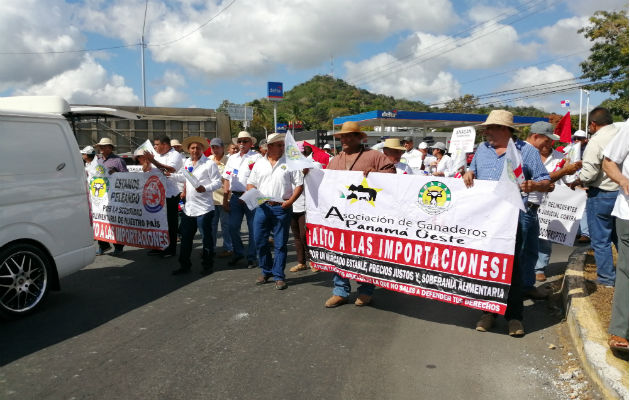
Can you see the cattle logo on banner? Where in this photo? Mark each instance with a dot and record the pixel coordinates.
(434, 198)
(361, 192)
(99, 187)
(153, 195)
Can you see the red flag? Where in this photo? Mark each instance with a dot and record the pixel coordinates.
(563, 129)
(208, 151)
(319, 155)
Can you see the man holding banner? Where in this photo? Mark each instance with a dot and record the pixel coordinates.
(488, 164)
(202, 178)
(273, 179)
(354, 157)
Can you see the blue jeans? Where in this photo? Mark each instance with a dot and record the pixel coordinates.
(529, 249)
(274, 220)
(189, 228)
(223, 216)
(237, 210)
(619, 317)
(601, 225)
(342, 287)
(544, 254)
(583, 231)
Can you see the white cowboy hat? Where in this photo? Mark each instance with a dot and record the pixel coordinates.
(105, 142)
(275, 137)
(500, 117)
(195, 139)
(175, 142)
(393, 143)
(350, 127)
(244, 134)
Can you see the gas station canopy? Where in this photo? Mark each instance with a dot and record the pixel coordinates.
(424, 119)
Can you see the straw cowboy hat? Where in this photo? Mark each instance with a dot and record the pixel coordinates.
(175, 142)
(500, 117)
(350, 127)
(275, 137)
(195, 139)
(244, 134)
(393, 143)
(105, 142)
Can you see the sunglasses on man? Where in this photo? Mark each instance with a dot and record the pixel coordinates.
(243, 141)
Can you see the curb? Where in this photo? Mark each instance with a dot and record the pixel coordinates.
(590, 339)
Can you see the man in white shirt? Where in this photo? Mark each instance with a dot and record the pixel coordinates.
(411, 157)
(273, 179)
(202, 178)
(168, 160)
(394, 150)
(602, 193)
(616, 154)
(237, 170)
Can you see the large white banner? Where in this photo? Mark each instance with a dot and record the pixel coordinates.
(130, 208)
(427, 236)
(560, 213)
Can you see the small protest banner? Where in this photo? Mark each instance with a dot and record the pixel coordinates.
(426, 236)
(254, 198)
(295, 158)
(130, 208)
(560, 213)
(462, 139)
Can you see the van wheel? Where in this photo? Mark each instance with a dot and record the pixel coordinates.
(23, 279)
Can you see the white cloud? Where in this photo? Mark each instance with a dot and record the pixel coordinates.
(87, 84)
(416, 82)
(481, 12)
(588, 7)
(253, 36)
(532, 76)
(563, 38)
(171, 78)
(167, 97)
(36, 26)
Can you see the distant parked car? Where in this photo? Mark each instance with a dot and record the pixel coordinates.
(45, 225)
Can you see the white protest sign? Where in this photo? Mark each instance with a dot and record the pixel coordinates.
(295, 159)
(462, 139)
(560, 213)
(130, 208)
(135, 168)
(146, 146)
(421, 235)
(254, 198)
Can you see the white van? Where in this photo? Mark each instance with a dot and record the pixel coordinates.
(45, 225)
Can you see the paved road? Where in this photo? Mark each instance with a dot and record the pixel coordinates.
(124, 328)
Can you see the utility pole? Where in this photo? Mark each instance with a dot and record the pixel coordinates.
(143, 45)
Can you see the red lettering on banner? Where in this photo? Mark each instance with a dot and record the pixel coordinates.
(136, 237)
(471, 263)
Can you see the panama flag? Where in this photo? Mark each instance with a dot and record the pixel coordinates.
(564, 103)
(512, 176)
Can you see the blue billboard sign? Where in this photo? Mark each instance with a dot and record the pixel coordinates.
(281, 128)
(274, 91)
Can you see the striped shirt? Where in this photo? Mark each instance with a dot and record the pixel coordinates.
(487, 165)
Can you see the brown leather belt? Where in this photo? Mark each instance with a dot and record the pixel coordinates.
(273, 203)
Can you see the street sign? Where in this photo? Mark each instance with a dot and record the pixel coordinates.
(281, 128)
(240, 112)
(274, 91)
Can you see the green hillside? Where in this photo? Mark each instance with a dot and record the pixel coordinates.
(319, 100)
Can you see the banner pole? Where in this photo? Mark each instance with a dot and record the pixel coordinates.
(580, 117)
(275, 118)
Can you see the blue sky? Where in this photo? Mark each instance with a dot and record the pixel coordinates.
(428, 50)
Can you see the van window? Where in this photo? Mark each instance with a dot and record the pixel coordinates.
(34, 148)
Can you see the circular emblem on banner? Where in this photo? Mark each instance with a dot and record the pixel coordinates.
(99, 187)
(434, 197)
(100, 170)
(153, 195)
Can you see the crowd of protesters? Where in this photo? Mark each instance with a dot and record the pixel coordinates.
(232, 170)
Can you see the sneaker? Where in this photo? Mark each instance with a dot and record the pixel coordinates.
(363, 300)
(486, 322)
(234, 260)
(299, 267)
(280, 285)
(335, 301)
(540, 277)
(515, 328)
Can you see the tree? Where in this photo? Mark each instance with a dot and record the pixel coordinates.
(464, 104)
(608, 63)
